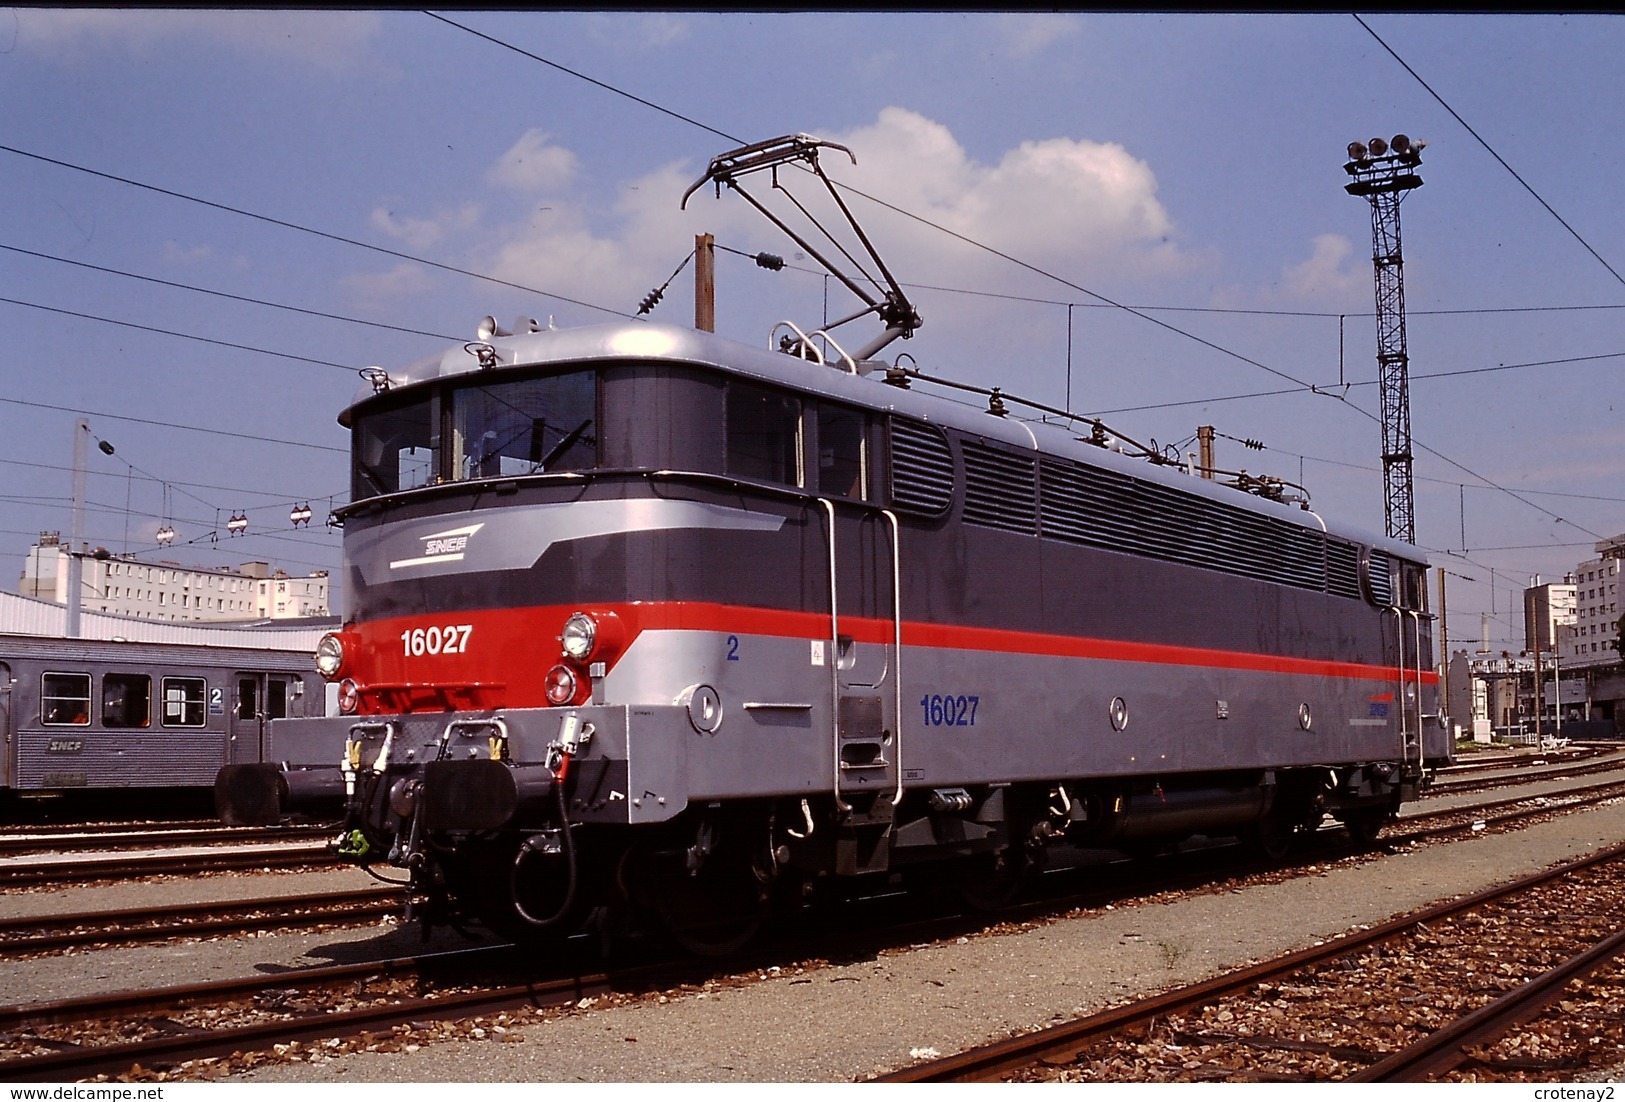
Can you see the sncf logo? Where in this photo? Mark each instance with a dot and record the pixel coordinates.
(447, 546)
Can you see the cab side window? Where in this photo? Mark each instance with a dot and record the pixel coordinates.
(842, 452)
(763, 430)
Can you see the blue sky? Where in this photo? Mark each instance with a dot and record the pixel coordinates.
(212, 220)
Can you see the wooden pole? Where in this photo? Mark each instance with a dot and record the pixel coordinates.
(705, 283)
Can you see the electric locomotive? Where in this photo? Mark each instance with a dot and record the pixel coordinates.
(645, 620)
(640, 615)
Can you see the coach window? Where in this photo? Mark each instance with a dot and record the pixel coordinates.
(276, 698)
(763, 434)
(126, 700)
(247, 698)
(183, 701)
(842, 453)
(65, 699)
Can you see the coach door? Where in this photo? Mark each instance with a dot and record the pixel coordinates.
(260, 698)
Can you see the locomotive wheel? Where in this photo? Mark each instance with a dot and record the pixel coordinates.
(710, 912)
(715, 935)
(1272, 836)
(482, 881)
(1365, 825)
(989, 883)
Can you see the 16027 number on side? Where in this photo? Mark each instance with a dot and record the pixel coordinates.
(948, 710)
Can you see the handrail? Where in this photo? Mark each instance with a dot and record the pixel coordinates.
(833, 658)
(897, 651)
(1399, 685)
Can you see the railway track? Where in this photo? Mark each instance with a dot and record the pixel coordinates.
(65, 869)
(131, 926)
(1460, 990)
(169, 1021)
(104, 838)
(56, 932)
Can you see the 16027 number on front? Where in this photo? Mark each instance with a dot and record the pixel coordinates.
(451, 639)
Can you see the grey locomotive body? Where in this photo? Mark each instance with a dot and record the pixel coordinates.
(639, 614)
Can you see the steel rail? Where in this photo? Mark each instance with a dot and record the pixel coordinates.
(1065, 1042)
(131, 866)
(1445, 1049)
(19, 935)
(170, 1049)
(57, 842)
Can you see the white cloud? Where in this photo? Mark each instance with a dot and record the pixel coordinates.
(384, 287)
(1079, 208)
(1025, 34)
(176, 253)
(327, 39)
(421, 233)
(637, 33)
(532, 165)
(1327, 275)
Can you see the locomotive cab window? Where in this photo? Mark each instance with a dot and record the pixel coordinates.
(1413, 590)
(530, 426)
(394, 449)
(65, 699)
(126, 700)
(183, 701)
(490, 430)
(842, 452)
(763, 434)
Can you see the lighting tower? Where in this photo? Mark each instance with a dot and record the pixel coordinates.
(1383, 172)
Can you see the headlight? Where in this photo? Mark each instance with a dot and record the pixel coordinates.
(329, 656)
(561, 685)
(349, 696)
(579, 636)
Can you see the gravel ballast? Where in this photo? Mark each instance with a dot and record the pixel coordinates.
(842, 1022)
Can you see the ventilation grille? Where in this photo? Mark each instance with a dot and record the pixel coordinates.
(1112, 511)
(1342, 569)
(999, 489)
(1380, 573)
(922, 469)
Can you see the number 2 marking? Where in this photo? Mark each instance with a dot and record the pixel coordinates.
(733, 648)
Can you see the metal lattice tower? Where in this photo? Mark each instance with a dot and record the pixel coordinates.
(1383, 173)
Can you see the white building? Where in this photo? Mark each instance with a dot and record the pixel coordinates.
(122, 585)
(1596, 608)
(1546, 609)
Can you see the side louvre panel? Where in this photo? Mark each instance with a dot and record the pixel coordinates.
(1000, 488)
(1342, 569)
(922, 469)
(1109, 510)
